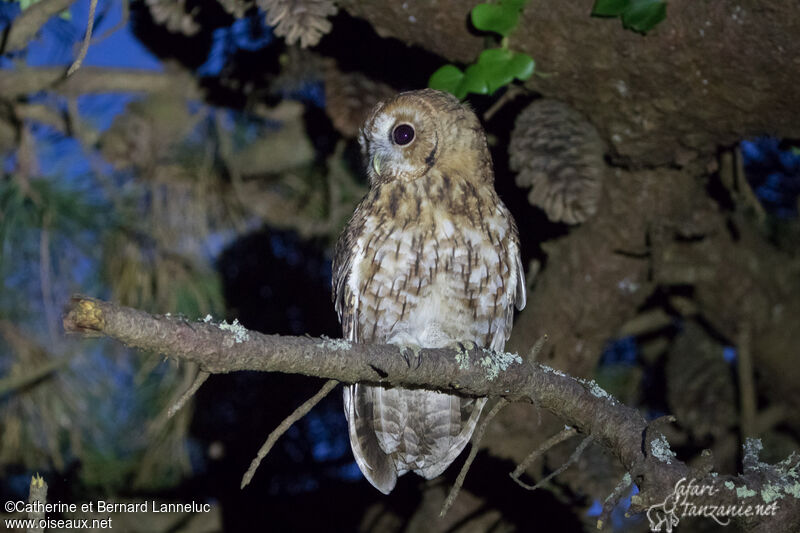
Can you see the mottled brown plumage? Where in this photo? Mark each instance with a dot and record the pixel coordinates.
(429, 259)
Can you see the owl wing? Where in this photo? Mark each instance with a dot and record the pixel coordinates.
(515, 288)
(344, 299)
(519, 296)
(376, 464)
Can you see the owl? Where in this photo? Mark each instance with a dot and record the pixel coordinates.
(429, 259)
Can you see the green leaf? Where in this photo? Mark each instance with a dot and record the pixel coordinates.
(522, 65)
(500, 66)
(495, 68)
(450, 78)
(609, 8)
(446, 78)
(500, 18)
(643, 15)
(496, 18)
(795, 150)
(474, 81)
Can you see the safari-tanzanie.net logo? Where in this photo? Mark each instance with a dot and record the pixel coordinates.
(692, 499)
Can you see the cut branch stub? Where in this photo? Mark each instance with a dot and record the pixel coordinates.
(85, 317)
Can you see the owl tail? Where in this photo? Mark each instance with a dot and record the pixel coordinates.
(374, 463)
(395, 430)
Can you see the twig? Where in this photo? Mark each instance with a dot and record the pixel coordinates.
(727, 172)
(645, 322)
(613, 499)
(298, 413)
(473, 452)
(558, 438)
(743, 186)
(123, 21)
(747, 392)
(537, 347)
(512, 92)
(86, 40)
(27, 163)
(37, 493)
(29, 350)
(43, 113)
(12, 384)
(198, 381)
(87, 138)
(734, 179)
(572, 459)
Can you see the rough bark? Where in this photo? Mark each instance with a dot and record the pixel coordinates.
(709, 75)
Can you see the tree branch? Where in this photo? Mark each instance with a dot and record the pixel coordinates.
(37, 493)
(27, 24)
(641, 448)
(93, 80)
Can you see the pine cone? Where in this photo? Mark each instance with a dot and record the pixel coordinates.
(237, 8)
(349, 96)
(560, 155)
(303, 20)
(173, 15)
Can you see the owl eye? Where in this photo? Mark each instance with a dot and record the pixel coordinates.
(403, 134)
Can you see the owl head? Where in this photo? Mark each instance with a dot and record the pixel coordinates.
(405, 137)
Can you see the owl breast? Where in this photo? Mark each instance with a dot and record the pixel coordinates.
(430, 277)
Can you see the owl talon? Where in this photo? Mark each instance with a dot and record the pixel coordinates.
(411, 352)
(404, 353)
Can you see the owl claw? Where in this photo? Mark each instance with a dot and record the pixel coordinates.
(404, 355)
(409, 353)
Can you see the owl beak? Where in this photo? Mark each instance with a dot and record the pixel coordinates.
(376, 164)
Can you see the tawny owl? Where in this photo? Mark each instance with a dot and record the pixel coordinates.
(429, 259)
